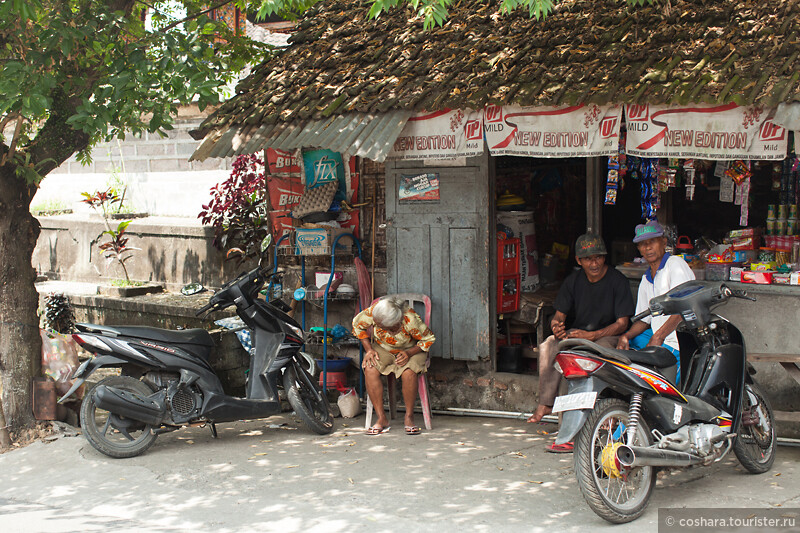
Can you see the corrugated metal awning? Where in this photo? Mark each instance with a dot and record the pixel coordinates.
(366, 135)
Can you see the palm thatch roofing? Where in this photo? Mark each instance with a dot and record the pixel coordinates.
(341, 64)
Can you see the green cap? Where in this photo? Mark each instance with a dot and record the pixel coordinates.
(589, 244)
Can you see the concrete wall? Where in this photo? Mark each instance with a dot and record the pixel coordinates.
(160, 179)
(174, 251)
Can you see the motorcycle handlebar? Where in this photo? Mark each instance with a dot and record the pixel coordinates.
(644, 314)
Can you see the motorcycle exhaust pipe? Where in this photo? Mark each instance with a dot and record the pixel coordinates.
(123, 403)
(633, 456)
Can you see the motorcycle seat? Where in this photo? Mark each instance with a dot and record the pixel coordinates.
(195, 336)
(654, 356)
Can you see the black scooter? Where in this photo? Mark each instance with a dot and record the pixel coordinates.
(631, 417)
(166, 381)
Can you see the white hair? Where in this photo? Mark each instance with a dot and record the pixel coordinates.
(389, 311)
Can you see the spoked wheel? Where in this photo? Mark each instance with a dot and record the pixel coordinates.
(307, 400)
(111, 434)
(616, 494)
(755, 442)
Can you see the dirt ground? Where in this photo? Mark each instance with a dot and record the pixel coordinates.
(41, 431)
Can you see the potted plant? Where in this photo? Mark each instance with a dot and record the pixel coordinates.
(115, 248)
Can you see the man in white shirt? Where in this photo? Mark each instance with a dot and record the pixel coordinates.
(665, 272)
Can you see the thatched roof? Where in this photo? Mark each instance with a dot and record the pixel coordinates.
(586, 51)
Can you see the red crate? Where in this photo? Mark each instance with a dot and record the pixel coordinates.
(508, 293)
(507, 257)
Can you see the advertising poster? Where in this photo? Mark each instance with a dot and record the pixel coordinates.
(721, 132)
(284, 186)
(323, 166)
(564, 131)
(444, 134)
(419, 188)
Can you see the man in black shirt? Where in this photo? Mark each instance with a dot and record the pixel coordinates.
(596, 301)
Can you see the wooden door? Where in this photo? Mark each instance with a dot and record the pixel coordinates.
(442, 248)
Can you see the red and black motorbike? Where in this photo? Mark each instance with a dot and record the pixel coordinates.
(629, 417)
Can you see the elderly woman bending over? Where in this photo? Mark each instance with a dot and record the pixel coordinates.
(399, 345)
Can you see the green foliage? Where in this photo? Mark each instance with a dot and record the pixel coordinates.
(77, 72)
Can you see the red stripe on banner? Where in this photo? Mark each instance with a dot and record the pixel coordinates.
(505, 142)
(430, 115)
(656, 138)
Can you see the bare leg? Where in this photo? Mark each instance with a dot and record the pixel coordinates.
(374, 384)
(549, 379)
(410, 389)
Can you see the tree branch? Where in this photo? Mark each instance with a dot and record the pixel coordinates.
(199, 13)
(10, 154)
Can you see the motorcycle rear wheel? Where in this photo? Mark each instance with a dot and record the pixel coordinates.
(755, 445)
(308, 401)
(111, 434)
(613, 498)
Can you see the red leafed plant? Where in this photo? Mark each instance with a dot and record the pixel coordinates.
(239, 209)
(116, 247)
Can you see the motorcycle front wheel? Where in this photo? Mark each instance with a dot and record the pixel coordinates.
(615, 494)
(111, 434)
(755, 441)
(308, 401)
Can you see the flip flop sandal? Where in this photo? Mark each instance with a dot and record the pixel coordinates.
(413, 430)
(559, 448)
(377, 430)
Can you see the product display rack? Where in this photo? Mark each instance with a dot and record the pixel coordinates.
(326, 297)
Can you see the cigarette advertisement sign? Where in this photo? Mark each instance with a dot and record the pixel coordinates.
(419, 188)
(721, 132)
(565, 131)
(440, 135)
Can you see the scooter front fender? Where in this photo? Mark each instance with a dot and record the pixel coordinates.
(573, 421)
(87, 368)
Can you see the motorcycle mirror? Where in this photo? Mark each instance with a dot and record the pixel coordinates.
(192, 288)
(265, 243)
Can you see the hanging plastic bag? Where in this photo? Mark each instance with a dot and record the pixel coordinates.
(59, 360)
(349, 404)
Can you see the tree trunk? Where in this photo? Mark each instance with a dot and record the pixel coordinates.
(20, 344)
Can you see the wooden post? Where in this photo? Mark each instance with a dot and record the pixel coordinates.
(374, 237)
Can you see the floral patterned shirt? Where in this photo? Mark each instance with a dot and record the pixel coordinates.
(414, 329)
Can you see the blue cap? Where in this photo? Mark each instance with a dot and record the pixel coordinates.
(647, 231)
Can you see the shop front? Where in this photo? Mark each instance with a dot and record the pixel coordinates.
(533, 133)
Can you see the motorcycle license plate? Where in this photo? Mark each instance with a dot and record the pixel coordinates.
(571, 402)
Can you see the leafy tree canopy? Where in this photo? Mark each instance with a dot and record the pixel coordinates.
(77, 72)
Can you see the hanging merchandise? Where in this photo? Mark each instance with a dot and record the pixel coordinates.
(612, 183)
(742, 197)
(649, 172)
(688, 173)
(739, 171)
(745, 202)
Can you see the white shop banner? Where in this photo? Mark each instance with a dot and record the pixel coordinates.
(440, 135)
(716, 132)
(566, 131)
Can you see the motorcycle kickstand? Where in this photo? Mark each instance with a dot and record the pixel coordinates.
(213, 430)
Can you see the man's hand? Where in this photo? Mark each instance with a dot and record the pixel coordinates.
(401, 358)
(655, 341)
(580, 334)
(622, 343)
(370, 359)
(558, 329)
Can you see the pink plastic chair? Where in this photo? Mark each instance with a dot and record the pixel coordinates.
(411, 298)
